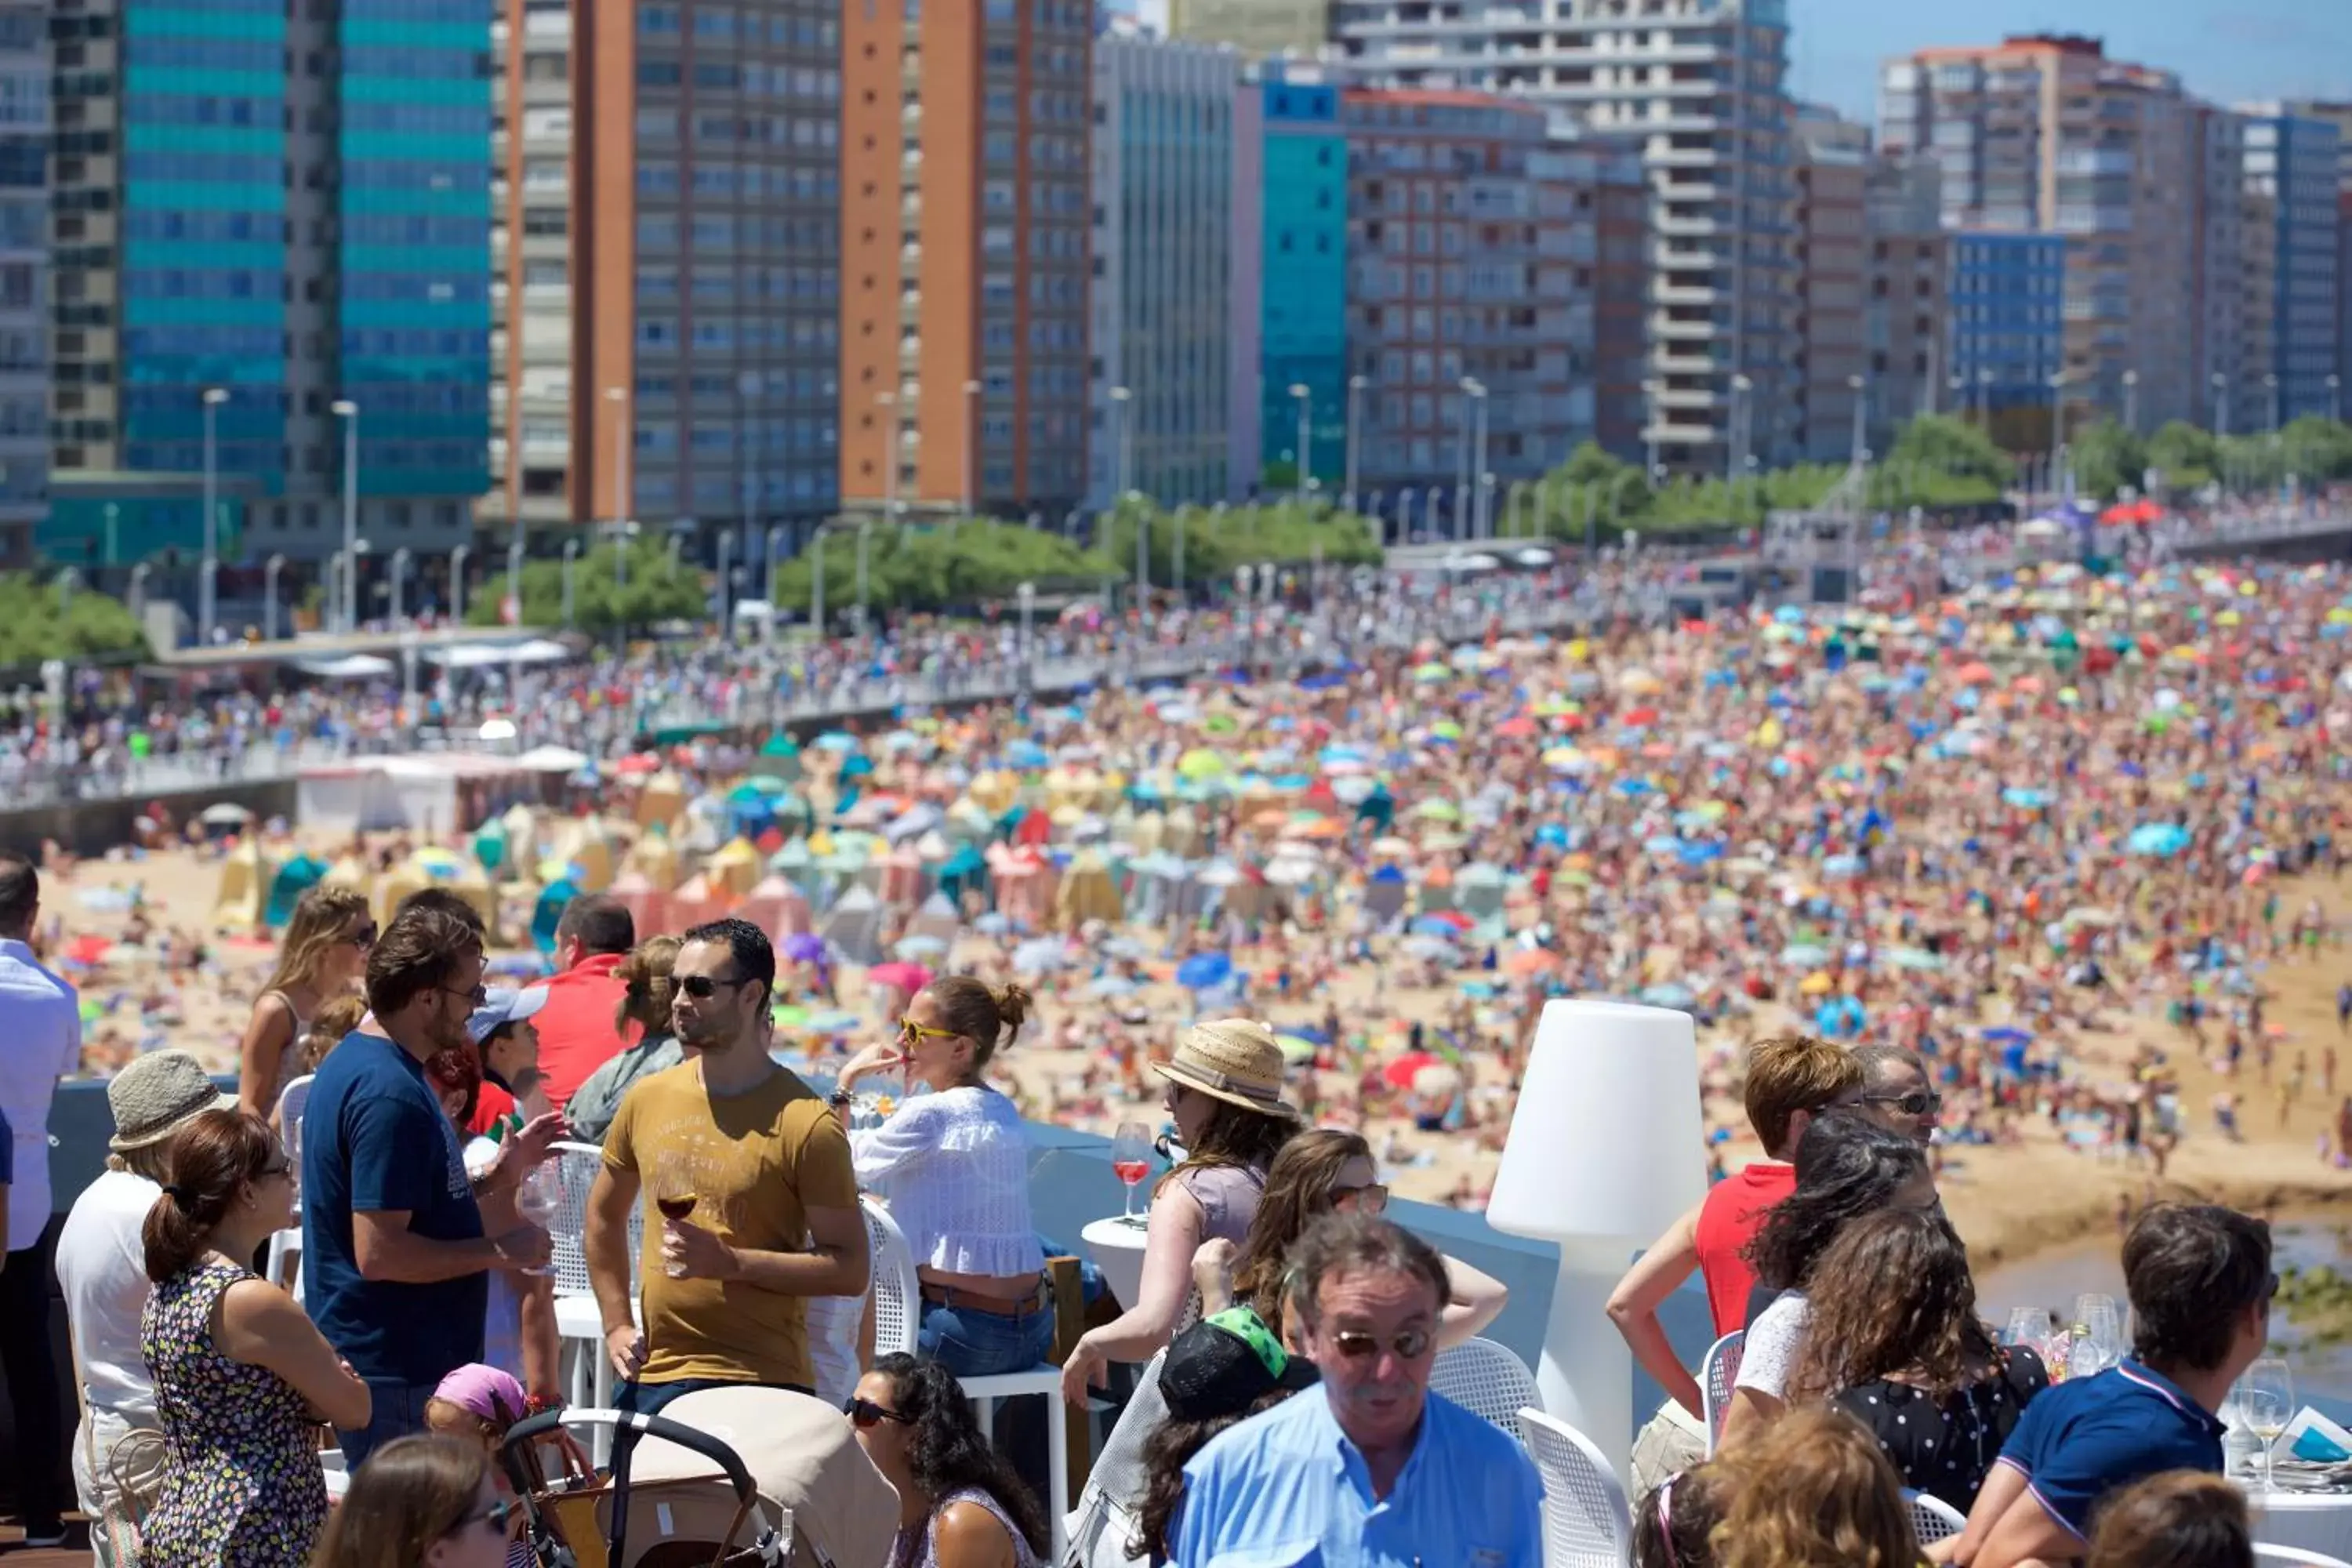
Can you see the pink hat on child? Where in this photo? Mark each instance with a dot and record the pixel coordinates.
(485, 1391)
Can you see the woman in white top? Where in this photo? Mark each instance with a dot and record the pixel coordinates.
(954, 1167)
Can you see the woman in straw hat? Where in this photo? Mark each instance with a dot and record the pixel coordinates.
(1224, 1094)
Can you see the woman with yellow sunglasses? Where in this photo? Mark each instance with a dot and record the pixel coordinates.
(954, 1167)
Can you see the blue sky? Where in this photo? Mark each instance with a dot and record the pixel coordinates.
(2224, 50)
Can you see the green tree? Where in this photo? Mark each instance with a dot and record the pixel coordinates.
(2108, 457)
(1937, 444)
(2317, 451)
(38, 620)
(657, 589)
(938, 567)
(1216, 542)
(2184, 456)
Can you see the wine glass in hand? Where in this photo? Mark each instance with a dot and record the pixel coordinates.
(1130, 1158)
(538, 1200)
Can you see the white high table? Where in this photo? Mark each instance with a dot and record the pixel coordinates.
(1115, 1245)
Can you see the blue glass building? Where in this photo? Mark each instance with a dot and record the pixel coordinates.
(286, 205)
(2290, 180)
(1303, 320)
(2006, 295)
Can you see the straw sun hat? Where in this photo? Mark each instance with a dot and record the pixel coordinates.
(1232, 1060)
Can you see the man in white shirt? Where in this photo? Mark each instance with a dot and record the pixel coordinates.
(102, 1270)
(40, 1042)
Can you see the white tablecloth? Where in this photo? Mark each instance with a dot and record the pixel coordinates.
(1117, 1248)
(2312, 1521)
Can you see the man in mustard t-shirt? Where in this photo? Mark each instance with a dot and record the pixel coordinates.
(749, 1190)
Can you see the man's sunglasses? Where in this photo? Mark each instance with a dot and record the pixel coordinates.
(864, 1414)
(1356, 1345)
(702, 987)
(1918, 1103)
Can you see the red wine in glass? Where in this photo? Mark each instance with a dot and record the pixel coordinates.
(675, 1205)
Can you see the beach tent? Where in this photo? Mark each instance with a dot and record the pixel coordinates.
(904, 880)
(1385, 893)
(795, 865)
(349, 871)
(1478, 891)
(245, 880)
(735, 869)
(1182, 833)
(661, 800)
(655, 858)
(646, 900)
(396, 884)
(962, 871)
(776, 907)
(698, 901)
(853, 927)
(473, 884)
(1086, 892)
(547, 911)
(589, 845)
(521, 824)
(293, 880)
(937, 918)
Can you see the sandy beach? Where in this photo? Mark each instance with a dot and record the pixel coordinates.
(2010, 1200)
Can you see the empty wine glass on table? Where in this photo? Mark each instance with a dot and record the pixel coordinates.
(1130, 1160)
(2266, 1400)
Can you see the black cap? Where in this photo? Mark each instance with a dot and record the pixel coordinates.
(1222, 1365)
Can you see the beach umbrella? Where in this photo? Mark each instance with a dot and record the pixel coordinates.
(900, 977)
(2004, 1034)
(1668, 993)
(804, 947)
(919, 946)
(1804, 955)
(1204, 971)
(1432, 673)
(779, 744)
(1915, 958)
(2160, 840)
(1295, 1051)
(837, 741)
(1446, 730)
(1201, 764)
(1041, 955)
(1393, 848)
(1400, 1072)
(1437, 811)
(1111, 985)
(1842, 866)
(1436, 949)
(2026, 799)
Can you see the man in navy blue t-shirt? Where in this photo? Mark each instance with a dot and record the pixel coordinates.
(2200, 1285)
(393, 1250)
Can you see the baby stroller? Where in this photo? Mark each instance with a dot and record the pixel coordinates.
(727, 1477)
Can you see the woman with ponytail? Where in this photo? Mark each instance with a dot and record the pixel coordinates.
(954, 1167)
(243, 1379)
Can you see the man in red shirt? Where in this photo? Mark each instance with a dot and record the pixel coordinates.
(1789, 1079)
(577, 1033)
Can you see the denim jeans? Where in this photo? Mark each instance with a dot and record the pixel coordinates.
(395, 1410)
(980, 1344)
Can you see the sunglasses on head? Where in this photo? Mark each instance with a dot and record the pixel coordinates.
(864, 1414)
(1355, 1344)
(702, 987)
(1918, 1103)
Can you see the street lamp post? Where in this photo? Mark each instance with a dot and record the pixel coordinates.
(2221, 404)
(1858, 386)
(1177, 577)
(625, 500)
(865, 531)
(1355, 385)
(747, 387)
(1027, 595)
(775, 564)
(514, 573)
(2335, 399)
(725, 547)
(571, 553)
(2057, 429)
(207, 586)
(1741, 387)
(457, 584)
(1122, 456)
(270, 571)
(1462, 455)
(970, 441)
(1404, 514)
(1484, 524)
(1306, 398)
(137, 600)
(1134, 500)
(344, 409)
(400, 559)
(2270, 386)
(2131, 401)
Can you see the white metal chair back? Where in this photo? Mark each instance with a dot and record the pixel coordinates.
(897, 1301)
(1585, 1521)
(292, 1100)
(2265, 1553)
(576, 1169)
(1718, 1373)
(1933, 1519)
(1488, 1381)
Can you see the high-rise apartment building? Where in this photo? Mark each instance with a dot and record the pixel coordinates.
(1621, 292)
(1257, 29)
(1461, 308)
(965, 216)
(1303, 275)
(2005, 292)
(1831, 249)
(1163, 248)
(24, 278)
(264, 211)
(2291, 179)
(1903, 318)
(2220, 303)
(2047, 133)
(1701, 85)
(666, 256)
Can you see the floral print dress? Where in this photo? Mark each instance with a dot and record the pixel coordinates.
(244, 1488)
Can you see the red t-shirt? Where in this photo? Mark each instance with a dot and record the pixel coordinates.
(577, 1034)
(1728, 1220)
(490, 1107)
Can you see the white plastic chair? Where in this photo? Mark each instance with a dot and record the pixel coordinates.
(1488, 1381)
(1933, 1519)
(284, 1264)
(897, 1313)
(2265, 1553)
(1585, 1521)
(1718, 1373)
(589, 1380)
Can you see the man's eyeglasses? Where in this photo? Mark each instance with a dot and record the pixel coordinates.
(1372, 1198)
(1918, 1103)
(1356, 1345)
(703, 988)
(864, 1414)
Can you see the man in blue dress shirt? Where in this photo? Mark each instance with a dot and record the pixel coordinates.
(1368, 1470)
(2200, 1285)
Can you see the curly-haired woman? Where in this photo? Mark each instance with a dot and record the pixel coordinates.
(960, 1503)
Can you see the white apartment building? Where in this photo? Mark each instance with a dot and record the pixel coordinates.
(1700, 85)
